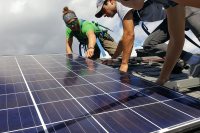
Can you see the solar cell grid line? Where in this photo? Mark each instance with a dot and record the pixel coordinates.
(178, 110)
(11, 114)
(33, 100)
(152, 97)
(122, 103)
(72, 96)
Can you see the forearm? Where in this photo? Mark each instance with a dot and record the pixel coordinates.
(91, 40)
(176, 24)
(173, 53)
(68, 50)
(127, 44)
(118, 50)
(69, 46)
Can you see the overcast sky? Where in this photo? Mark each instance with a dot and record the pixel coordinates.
(36, 26)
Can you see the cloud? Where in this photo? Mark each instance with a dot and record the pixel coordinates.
(36, 26)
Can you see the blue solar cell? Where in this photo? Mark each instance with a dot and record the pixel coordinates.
(3, 120)
(34, 77)
(11, 101)
(3, 100)
(187, 105)
(62, 94)
(160, 93)
(14, 121)
(31, 130)
(50, 95)
(109, 87)
(10, 88)
(100, 103)
(162, 115)
(2, 89)
(72, 81)
(29, 117)
(23, 99)
(97, 78)
(78, 67)
(125, 121)
(83, 90)
(41, 85)
(133, 98)
(40, 97)
(136, 82)
(86, 72)
(107, 70)
(83, 124)
(63, 75)
(52, 112)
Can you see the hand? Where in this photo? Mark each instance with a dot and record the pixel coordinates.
(90, 64)
(89, 53)
(123, 67)
(161, 81)
(108, 62)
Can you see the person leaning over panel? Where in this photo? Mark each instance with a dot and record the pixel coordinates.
(87, 33)
(175, 14)
(176, 24)
(109, 8)
(155, 42)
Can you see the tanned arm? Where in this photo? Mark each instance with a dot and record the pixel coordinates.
(127, 40)
(91, 43)
(69, 42)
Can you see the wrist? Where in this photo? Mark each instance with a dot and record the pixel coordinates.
(90, 47)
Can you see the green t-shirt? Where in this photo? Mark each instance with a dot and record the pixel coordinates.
(85, 27)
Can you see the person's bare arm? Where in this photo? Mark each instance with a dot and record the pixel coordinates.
(176, 26)
(118, 50)
(69, 45)
(127, 40)
(91, 43)
(135, 4)
(194, 3)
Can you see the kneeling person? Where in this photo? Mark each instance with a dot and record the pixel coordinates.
(88, 34)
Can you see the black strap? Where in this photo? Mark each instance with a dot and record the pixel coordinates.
(136, 13)
(190, 40)
(144, 27)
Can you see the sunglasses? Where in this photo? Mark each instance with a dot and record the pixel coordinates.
(72, 24)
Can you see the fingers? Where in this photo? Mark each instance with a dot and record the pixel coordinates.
(108, 62)
(123, 67)
(89, 53)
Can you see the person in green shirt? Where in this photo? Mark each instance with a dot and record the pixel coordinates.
(89, 34)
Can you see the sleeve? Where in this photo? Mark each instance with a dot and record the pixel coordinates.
(87, 26)
(122, 10)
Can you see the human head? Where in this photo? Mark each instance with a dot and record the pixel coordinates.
(106, 8)
(70, 19)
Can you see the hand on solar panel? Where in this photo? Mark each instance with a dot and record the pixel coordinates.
(90, 64)
(123, 67)
(109, 62)
(89, 53)
(161, 80)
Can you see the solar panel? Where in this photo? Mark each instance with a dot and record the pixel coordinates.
(68, 93)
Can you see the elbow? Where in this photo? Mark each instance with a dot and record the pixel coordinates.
(129, 36)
